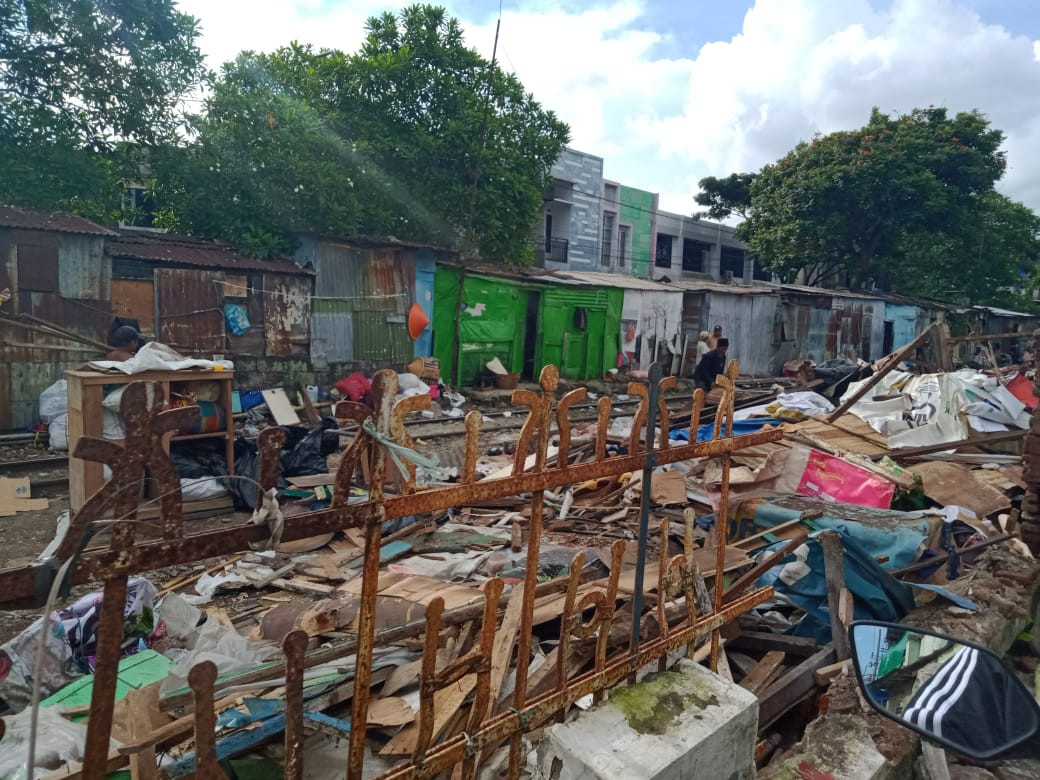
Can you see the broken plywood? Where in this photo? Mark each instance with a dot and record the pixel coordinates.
(952, 484)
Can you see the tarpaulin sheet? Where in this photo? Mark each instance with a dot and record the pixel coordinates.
(835, 479)
(740, 427)
(931, 407)
(800, 579)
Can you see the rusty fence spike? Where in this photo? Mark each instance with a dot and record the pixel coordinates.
(563, 424)
(603, 407)
(295, 647)
(474, 421)
(202, 678)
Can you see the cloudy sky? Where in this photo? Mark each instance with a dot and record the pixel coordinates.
(669, 92)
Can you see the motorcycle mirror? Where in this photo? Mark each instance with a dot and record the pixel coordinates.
(955, 693)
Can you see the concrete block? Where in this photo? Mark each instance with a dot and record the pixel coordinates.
(681, 724)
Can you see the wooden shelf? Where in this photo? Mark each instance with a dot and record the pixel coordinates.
(86, 392)
(194, 436)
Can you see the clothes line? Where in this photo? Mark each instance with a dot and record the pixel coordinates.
(312, 297)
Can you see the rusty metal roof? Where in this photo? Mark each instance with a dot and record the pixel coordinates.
(187, 250)
(60, 221)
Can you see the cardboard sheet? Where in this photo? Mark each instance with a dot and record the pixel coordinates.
(280, 406)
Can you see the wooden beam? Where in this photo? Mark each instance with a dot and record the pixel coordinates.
(834, 564)
(977, 441)
(825, 674)
(764, 641)
(869, 385)
(792, 687)
(986, 337)
(759, 676)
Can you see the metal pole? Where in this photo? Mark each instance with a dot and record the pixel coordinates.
(644, 504)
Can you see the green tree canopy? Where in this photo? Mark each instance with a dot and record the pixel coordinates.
(907, 202)
(723, 197)
(79, 81)
(414, 136)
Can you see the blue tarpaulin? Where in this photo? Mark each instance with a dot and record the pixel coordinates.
(740, 427)
(800, 579)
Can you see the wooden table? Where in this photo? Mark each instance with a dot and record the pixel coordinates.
(86, 392)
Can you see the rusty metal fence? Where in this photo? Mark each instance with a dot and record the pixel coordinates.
(694, 616)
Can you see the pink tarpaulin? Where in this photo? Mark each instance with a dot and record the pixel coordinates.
(834, 479)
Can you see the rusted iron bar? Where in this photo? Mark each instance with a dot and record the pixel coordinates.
(537, 421)
(519, 720)
(202, 677)
(294, 646)
(18, 587)
(384, 390)
(644, 502)
(103, 698)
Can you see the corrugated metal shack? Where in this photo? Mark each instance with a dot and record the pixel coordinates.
(55, 269)
(747, 315)
(527, 319)
(77, 276)
(364, 289)
(179, 289)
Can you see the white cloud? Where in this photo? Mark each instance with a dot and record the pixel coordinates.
(797, 67)
(800, 67)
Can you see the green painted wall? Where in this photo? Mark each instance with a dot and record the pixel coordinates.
(580, 353)
(637, 209)
(491, 322)
(493, 318)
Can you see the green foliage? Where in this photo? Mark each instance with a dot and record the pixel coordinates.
(82, 83)
(723, 197)
(93, 71)
(907, 202)
(387, 141)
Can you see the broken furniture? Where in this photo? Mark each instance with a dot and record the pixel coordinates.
(86, 393)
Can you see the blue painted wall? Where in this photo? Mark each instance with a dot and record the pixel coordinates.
(425, 268)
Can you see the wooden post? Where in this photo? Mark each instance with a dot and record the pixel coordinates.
(834, 564)
(869, 385)
(943, 343)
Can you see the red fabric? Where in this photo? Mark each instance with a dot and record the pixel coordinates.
(1022, 389)
(354, 386)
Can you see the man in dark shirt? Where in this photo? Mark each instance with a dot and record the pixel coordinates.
(711, 365)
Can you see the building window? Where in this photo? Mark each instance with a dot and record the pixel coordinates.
(732, 260)
(695, 255)
(622, 245)
(607, 244)
(761, 273)
(663, 256)
(610, 193)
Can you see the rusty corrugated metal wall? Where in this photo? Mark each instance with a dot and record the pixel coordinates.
(58, 277)
(361, 302)
(287, 315)
(191, 310)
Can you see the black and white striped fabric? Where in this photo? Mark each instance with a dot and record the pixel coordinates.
(934, 701)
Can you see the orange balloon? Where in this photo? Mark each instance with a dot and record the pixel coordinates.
(417, 321)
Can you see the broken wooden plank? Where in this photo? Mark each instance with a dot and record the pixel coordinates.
(759, 676)
(792, 687)
(825, 674)
(763, 641)
(834, 571)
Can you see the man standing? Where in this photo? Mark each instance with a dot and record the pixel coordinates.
(711, 365)
(715, 336)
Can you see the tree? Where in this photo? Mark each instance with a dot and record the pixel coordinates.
(723, 197)
(415, 136)
(906, 202)
(81, 83)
